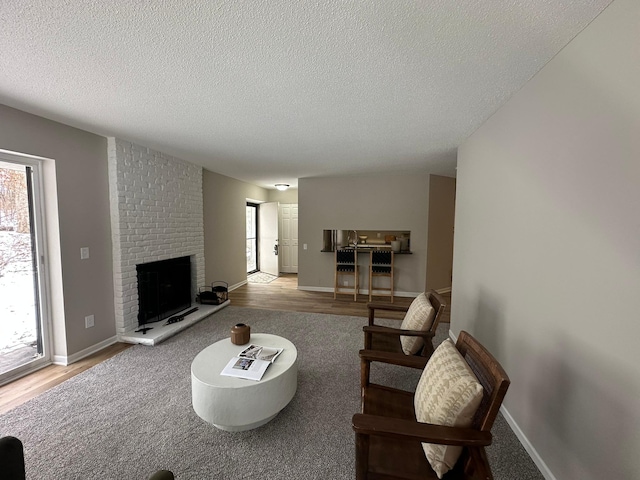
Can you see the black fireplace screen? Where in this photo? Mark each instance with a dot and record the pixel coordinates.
(164, 289)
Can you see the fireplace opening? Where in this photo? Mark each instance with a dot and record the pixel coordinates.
(164, 289)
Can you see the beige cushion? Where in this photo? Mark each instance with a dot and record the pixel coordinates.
(419, 317)
(449, 394)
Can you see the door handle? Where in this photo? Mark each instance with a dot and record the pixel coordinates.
(275, 249)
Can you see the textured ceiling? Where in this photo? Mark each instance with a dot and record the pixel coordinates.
(272, 91)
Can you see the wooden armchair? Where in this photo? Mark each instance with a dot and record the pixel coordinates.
(389, 439)
(389, 339)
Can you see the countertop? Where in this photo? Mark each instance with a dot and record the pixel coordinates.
(368, 247)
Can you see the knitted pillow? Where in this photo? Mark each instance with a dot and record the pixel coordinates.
(419, 317)
(449, 394)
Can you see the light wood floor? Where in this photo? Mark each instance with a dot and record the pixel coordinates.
(281, 294)
(26, 388)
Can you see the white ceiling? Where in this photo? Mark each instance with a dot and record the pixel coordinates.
(272, 91)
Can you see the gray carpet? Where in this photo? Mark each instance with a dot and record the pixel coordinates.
(131, 415)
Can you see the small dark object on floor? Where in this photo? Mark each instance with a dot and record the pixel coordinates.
(12, 458)
(162, 475)
(13, 467)
(179, 318)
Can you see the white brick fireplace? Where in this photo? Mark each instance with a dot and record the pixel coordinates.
(156, 214)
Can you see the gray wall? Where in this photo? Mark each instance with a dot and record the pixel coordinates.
(391, 202)
(288, 196)
(547, 250)
(442, 204)
(83, 221)
(81, 218)
(225, 201)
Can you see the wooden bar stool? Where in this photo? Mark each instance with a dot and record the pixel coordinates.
(381, 265)
(346, 265)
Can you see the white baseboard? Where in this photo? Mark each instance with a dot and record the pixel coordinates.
(363, 291)
(315, 289)
(453, 336)
(237, 285)
(67, 360)
(533, 453)
(522, 438)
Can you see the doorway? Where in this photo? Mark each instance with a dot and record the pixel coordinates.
(262, 242)
(253, 263)
(268, 238)
(288, 242)
(23, 326)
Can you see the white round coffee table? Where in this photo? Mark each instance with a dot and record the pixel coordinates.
(237, 404)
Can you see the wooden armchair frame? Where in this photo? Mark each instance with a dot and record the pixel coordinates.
(389, 439)
(377, 337)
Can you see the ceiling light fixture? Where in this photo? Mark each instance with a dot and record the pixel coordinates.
(282, 186)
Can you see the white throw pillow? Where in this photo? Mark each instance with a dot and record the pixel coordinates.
(449, 394)
(419, 317)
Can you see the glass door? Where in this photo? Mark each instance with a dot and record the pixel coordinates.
(23, 343)
(252, 238)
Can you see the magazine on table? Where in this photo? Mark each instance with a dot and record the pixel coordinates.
(249, 368)
(268, 354)
(252, 362)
